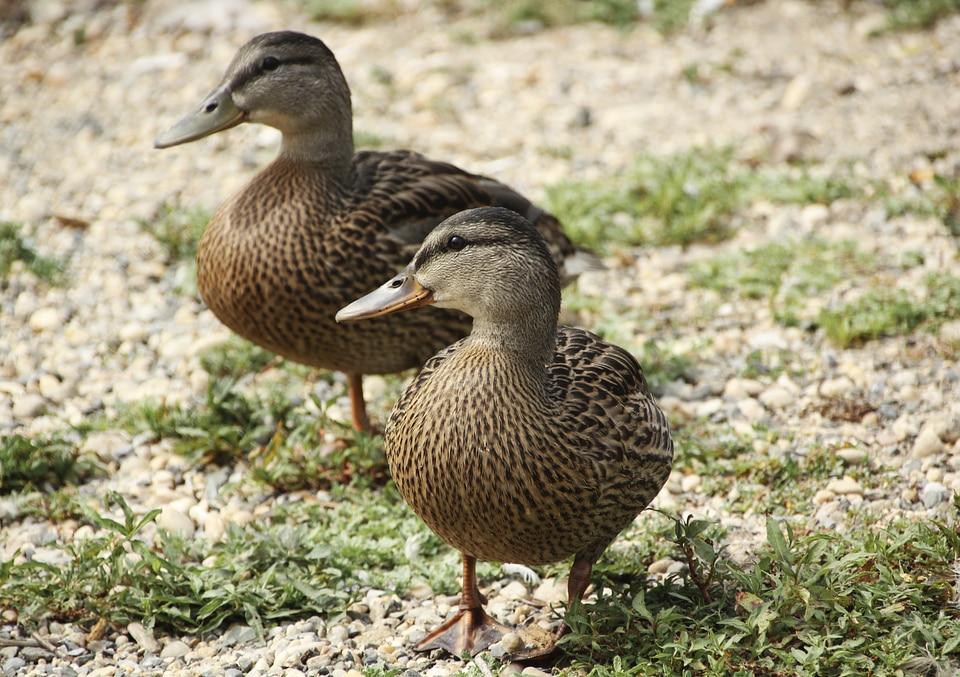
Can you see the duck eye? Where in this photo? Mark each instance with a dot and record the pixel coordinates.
(270, 63)
(456, 243)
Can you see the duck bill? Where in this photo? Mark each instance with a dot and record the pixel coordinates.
(401, 293)
(216, 113)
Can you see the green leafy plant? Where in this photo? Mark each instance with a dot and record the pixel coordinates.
(822, 604)
(289, 567)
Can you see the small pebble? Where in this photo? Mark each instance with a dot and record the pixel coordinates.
(927, 444)
(175, 649)
(845, 485)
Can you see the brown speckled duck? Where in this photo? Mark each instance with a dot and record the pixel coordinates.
(524, 442)
(321, 224)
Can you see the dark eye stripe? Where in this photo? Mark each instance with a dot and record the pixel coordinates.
(258, 69)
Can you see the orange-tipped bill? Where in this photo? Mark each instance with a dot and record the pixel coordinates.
(401, 293)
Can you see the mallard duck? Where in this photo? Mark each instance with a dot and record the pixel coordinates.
(524, 442)
(322, 224)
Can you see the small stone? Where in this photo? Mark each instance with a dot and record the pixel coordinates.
(552, 591)
(928, 443)
(175, 521)
(661, 566)
(12, 666)
(777, 397)
(29, 406)
(933, 494)
(175, 649)
(845, 485)
(143, 637)
(215, 527)
(751, 409)
(835, 387)
(741, 388)
(534, 672)
(852, 456)
(514, 590)
(420, 590)
(46, 319)
(238, 634)
(690, 483)
(824, 496)
(511, 642)
(338, 634)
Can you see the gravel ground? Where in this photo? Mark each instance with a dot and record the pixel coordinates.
(784, 80)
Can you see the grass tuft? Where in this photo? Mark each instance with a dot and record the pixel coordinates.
(13, 248)
(47, 463)
(178, 230)
(918, 14)
(882, 312)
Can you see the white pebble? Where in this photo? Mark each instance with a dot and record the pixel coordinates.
(175, 521)
(740, 388)
(824, 496)
(852, 455)
(47, 319)
(751, 409)
(777, 397)
(514, 590)
(835, 387)
(928, 443)
(29, 406)
(175, 649)
(845, 485)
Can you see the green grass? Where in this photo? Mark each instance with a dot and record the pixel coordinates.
(13, 248)
(43, 463)
(938, 196)
(178, 230)
(235, 357)
(285, 444)
(918, 14)
(511, 16)
(787, 273)
(886, 311)
(696, 196)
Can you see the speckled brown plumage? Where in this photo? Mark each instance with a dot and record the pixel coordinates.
(523, 442)
(322, 225)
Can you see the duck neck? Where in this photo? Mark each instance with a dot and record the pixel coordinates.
(529, 339)
(325, 147)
